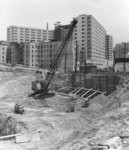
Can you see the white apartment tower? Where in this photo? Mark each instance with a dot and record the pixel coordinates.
(26, 34)
(90, 36)
(109, 47)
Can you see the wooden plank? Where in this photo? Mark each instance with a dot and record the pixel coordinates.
(8, 136)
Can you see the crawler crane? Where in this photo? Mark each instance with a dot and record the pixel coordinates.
(43, 90)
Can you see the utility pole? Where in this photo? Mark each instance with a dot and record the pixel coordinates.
(85, 72)
(114, 60)
(124, 57)
(76, 57)
(75, 64)
(65, 60)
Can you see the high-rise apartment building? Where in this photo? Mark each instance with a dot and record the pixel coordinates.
(60, 32)
(109, 47)
(3, 51)
(26, 34)
(90, 35)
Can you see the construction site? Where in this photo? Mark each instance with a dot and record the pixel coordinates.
(49, 110)
(63, 121)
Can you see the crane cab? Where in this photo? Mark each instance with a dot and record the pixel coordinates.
(39, 81)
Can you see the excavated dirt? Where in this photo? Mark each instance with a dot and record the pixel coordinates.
(9, 125)
(48, 122)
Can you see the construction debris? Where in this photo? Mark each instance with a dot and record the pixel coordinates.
(22, 138)
(8, 136)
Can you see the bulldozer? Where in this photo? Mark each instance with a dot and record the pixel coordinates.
(19, 109)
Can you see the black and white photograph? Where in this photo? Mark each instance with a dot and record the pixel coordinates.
(64, 74)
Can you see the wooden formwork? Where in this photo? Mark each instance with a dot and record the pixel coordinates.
(105, 83)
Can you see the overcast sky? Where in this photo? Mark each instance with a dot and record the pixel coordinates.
(113, 15)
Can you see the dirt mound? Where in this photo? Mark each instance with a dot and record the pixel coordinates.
(6, 76)
(101, 102)
(95, 107)
(9, 145)
(9, 125)
(100, 99)
(20, 85)
(98, 103)
(59, 130)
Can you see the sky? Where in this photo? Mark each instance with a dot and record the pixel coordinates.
(113, 15)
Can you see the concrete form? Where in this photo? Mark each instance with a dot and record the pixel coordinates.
(83, 93)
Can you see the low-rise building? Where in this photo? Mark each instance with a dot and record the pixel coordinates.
(15, 53)
(46, 53)
(43, 54)
(121, 50)
(121, 57)
(31, 54)
(3, 51)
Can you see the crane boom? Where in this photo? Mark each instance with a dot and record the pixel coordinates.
(56, 61)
